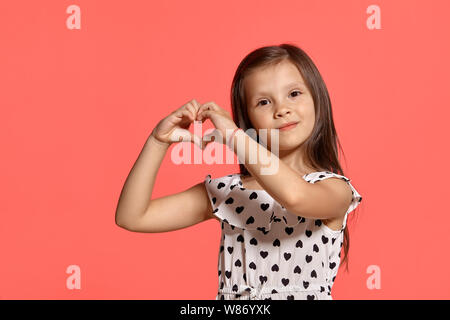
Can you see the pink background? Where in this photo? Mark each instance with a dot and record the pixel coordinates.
(77, 106)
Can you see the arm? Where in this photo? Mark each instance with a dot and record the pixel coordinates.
(137, 190)
(135, 210)
(325, 199)
(136, 213)
(176, 211)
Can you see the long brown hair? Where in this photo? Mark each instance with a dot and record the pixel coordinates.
(320, 147)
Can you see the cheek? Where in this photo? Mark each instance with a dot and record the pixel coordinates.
(309, 116)
(259, 120)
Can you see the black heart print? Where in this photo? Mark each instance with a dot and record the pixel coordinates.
(289, 230)
(250, 220)
(305, 284)
(229, 201)
(237, 202)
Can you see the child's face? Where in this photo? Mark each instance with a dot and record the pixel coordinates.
(273, 99)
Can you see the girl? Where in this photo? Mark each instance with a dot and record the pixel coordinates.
(282, 232)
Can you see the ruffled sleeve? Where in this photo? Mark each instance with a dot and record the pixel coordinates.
(217, 191)
(357, 198)
(245, 209)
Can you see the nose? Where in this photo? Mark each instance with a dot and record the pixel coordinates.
(282, 111)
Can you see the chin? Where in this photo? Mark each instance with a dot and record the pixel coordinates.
(287, 146)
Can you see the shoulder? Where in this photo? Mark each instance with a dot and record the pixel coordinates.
(221, 183)
(220, 187)
(337, 187)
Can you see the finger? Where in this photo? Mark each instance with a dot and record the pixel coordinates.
(180, 135)
(196, 106)
(184, 112)
(213, 136)
(204, 115)
(213, 105)
(206, 106)
(197, 140)
(192, 110)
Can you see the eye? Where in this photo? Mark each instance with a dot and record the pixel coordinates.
(296, 91)
(261, 101)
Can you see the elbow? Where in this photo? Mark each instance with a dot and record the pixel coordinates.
(122, 224)
(294, 205)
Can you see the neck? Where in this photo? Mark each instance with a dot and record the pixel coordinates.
(295, 159)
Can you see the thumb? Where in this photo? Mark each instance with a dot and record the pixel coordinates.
(197, 140)
(186, 136)
(214, 136)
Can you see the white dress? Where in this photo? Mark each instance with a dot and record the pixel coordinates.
(267, 252)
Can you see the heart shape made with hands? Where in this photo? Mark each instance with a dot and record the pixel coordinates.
(184, 135)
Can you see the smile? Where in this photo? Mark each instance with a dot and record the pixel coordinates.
(292, 126)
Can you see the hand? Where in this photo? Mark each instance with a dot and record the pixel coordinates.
(221, 120)
(177, 124)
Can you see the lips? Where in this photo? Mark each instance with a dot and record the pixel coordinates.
(288, 126)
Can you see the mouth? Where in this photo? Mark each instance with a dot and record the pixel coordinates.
(289, 126)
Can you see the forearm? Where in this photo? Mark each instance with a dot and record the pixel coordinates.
(281, 182)
(137, 190)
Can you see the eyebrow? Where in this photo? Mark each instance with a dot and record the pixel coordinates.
(287, 86)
